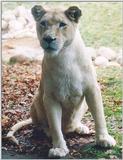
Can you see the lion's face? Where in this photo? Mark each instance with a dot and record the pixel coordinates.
(55, 28)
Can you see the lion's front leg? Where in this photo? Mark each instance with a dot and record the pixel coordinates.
(94, 101)
(54, 115)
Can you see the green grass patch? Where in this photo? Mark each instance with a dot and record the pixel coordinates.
(111, 82)
(111, 88)
(91, 151)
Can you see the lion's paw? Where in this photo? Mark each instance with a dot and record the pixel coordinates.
(58, 152)
(105, 141)
(82, 129)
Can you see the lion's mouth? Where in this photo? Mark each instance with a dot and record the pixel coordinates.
(51, 49)
(49, 46)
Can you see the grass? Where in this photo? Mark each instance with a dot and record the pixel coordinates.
(92, 152)
(100, 25)
(112, 97)
(110, 80)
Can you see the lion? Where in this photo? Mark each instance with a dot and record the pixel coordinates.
(68, 85)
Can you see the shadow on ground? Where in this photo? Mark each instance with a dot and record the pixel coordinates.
(34, 144)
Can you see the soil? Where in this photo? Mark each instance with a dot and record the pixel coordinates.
(35, 145)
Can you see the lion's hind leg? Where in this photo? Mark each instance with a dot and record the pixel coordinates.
(72, 122)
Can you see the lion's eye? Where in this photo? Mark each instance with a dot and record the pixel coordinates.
(44, 23)
(62, 24)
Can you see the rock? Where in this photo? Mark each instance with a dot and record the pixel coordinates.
(31, 53)
(29, 16)
(19, 34)
(4, 25)
(22, 20)
(22, 34)
(19, 59)
(107, 53)
(92, 52)
(15, 25)
(20, 11)
(8, 15)
(18, 23)
(101, 61)
(119, 58)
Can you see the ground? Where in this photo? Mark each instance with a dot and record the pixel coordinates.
(19, 83)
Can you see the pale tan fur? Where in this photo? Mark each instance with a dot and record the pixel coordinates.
(68, 79)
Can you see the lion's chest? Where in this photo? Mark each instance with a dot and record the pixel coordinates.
(68, 88)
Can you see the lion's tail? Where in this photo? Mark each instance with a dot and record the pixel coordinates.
(15, 128)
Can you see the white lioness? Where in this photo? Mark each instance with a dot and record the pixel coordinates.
(68, 77)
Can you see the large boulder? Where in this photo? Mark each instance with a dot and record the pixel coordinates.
(4, 25)
(107, 53)
(29, 16)
(19, 59)
(31, 53)
(20, 34)
(20, 11)
(15, 25)
(8, 15)
(18, 23)
(119, 58)
(22, 20)
(92, 52)
(101, 61)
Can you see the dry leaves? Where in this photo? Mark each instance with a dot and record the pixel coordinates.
(19, 83)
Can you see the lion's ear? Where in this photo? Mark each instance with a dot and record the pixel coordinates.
(73, 13)
(37, 12)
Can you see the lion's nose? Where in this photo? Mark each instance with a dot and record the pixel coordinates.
(49, 39)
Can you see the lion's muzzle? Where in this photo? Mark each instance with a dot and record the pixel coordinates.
(49, 43)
